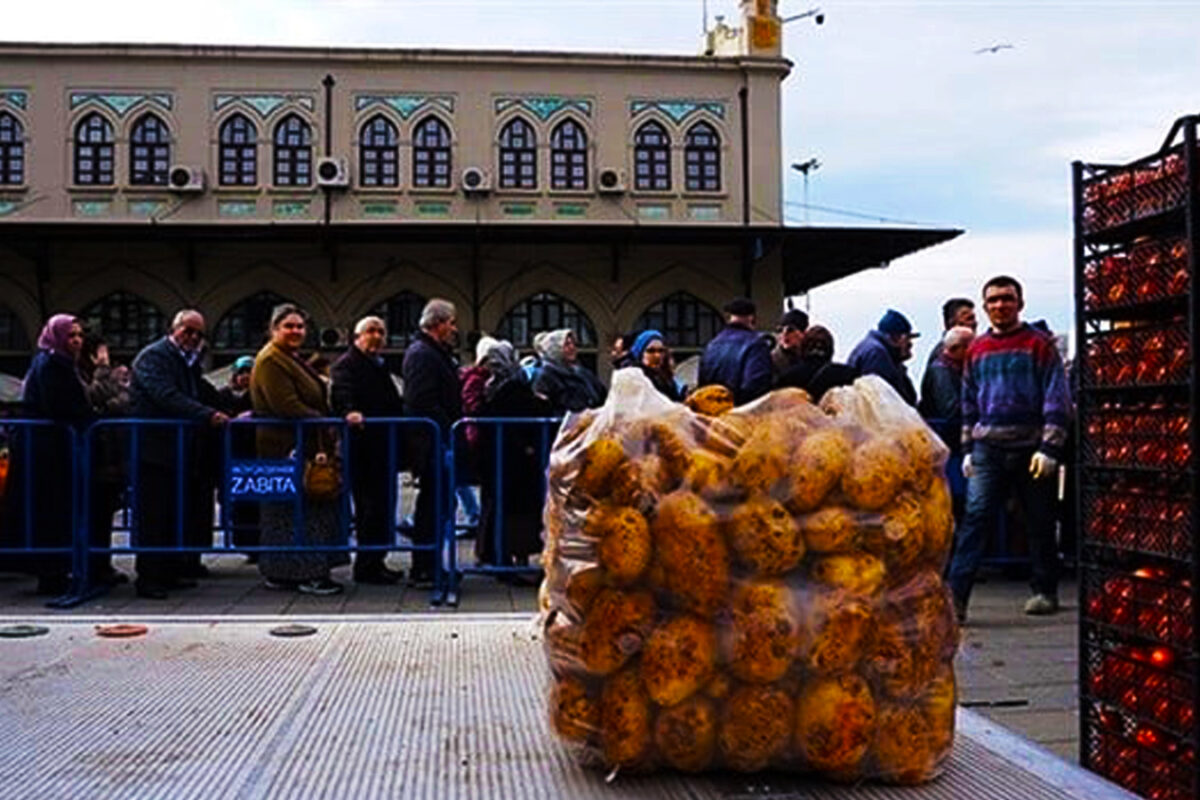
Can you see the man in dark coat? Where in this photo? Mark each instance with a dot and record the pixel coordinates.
(431, 391)
(816, 372)
(168, 384)
(789, 334)
(737, 357)
(362, 383)
(883, 352)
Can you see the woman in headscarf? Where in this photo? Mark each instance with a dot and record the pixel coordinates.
(284, 386)
(567, 384)
(54, 391)
(507, 394)
(650, 352)
(816, 372)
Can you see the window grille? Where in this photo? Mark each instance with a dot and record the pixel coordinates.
(238, 152)
(687, 322)
(652, 158)
(293, 152)
(378, 153)
(431, 154)
(149, 152)
(94, 151)
(568, 156)
(128, 322)
(702, 159)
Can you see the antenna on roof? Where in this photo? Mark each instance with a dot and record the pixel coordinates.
(704, 7)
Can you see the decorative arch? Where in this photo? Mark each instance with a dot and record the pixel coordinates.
(570, 149)
(432, 153)
(127, 321)
(246, 278)
(702, 158)
(243, 328)
(687, 322)
(94, 149)
(12, 149)
(710, 287)
(546, 311)
(379, 151)
(292, 151)
(237, 149)
(149, 150)
(652, 143)
(518, 153)
(402, 314)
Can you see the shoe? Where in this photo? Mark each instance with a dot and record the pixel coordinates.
(322, 587)
(378, 576)
(279, 585)
(1041, 605)
(150, 591)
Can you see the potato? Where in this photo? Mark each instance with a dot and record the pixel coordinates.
(764, 631)
(874, 475)
(760, 464)
(574, 714)
(582, 587)
(679, 659)
(624, 548)
(835, 723)
(685, 735)
(926, 455)
(765, 537)
(625, 732)
(708, 475)
(600, 460)
(842, 629)
(615, 628)
(859, 573)
(907, 749)
(712, 400)
(692, 556)
(831, 530)
(755, 727)
(901, 663)
(817, 465)
(938, 512)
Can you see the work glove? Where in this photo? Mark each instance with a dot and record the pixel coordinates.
(968, 470)
(1042, 466)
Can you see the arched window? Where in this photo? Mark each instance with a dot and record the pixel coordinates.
(547, 311)
(568, 156)
(243, 329)
(685, 320)
(239, 152)
(128, 322)
(431, 154)
(293, 152)
(12, 150)
(14, 344)
(94, 151)
(518, 156)
(149, 152)
(702, 159)
(378, 153)
(402, 314)
(652, 158)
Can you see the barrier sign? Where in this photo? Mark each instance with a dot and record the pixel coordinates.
(263, 480)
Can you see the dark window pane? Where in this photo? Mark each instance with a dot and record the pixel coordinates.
(239, 164)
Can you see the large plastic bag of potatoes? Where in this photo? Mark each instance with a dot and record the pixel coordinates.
(751, 588)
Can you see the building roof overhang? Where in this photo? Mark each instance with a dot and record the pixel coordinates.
(811, 255)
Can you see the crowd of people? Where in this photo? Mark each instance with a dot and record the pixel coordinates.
(999, 400)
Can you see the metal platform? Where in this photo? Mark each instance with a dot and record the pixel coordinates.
(368, 707)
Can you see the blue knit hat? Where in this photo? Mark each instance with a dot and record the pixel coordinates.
(643, 341)
(895, 324)
(243, 363)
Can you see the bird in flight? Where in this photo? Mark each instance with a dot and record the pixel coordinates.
(996, 48)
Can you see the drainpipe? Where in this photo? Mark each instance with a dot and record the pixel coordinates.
(747, 254)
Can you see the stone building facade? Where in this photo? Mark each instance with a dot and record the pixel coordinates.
(535, 190)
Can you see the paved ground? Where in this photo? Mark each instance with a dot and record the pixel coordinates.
(1018, 671)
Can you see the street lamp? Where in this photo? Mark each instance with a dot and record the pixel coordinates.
(815, 13)
(805, 167)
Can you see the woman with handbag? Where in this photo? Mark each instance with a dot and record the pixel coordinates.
(283, 386)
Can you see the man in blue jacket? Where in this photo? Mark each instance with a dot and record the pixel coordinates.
(738, 357)
(168, 384)
(883, 352)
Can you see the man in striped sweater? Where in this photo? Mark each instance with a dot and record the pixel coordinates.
(1015, 406)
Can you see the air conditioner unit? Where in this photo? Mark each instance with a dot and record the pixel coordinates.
(183, 178)
(611, 181)
(476, 180)
(333, 172)
(334, 337)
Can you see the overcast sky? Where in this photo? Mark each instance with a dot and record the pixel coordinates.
(908, 122)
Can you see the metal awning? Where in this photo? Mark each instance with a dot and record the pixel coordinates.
(812, 255)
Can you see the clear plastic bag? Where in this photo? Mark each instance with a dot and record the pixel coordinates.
(757, 589)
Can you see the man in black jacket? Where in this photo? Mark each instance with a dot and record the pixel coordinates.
(431, 390)
(168, 383)
(362, 383)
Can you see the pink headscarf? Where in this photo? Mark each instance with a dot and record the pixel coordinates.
(55, 334)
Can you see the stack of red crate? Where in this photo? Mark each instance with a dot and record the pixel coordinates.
(1139, 662)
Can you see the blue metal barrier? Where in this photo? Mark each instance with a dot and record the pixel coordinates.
(492, 464)
(35, 456)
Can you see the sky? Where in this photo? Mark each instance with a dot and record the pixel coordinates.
(908, 122)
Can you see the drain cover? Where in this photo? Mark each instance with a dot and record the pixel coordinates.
(293, 630)
(120, 631)
(22, 631)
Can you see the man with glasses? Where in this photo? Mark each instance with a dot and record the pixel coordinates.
(175, 471)
(1015, 406)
